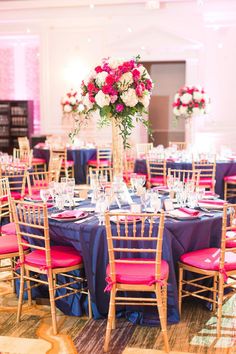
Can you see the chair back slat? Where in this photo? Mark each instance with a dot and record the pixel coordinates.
(40, 180)
(156, 168)
(185, 175)
(180, 145)
(143, 149)
(4, 198)
(140, 235)
(31, 220)
(16, 176)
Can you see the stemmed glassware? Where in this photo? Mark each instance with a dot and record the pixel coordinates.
(145, 199)
(45, 194)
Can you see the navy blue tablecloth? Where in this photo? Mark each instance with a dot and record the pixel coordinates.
(79, 156)
(89, 239)
(222, 169)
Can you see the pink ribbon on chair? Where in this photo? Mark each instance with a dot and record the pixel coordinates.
(45, 267)
(223, 272)
(154, 281)
(110, 283)
(19, 264)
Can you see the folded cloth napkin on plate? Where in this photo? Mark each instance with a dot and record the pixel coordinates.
(213, 202)
(160, 188)
(130, 218)
(68, 214)
(188, 211)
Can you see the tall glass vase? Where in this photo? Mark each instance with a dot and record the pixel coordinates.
(189, 132)
(117, 149)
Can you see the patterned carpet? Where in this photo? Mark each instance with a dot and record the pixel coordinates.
(33, 335)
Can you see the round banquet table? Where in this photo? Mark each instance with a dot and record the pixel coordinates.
(79, 156)
(89, 239)
(223, 169)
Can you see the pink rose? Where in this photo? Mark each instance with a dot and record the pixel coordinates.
(98, 69)
(139, 89)
(119, 107)
(110, 80)
(136, 74)
(113, 98)
(148, 84)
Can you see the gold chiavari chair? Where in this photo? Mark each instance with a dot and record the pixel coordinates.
(24, 146)
(139, 273)
(67, 166)
(40, 180)
(55, 164)
(128, 166)
(8, 243)
(217, 264)
(156, 173)
(16, 178)
(207, 173)
(23, 156)
(143, 149)
(229, 187)
(180, 145)
(185, 175)
(103, 160)
(31, 221)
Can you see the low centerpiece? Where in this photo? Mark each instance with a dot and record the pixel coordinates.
(119, 91)
(190, 101)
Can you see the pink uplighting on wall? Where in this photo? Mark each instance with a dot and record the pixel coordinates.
(19, 72)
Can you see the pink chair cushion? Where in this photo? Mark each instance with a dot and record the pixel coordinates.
(230, 178)
(68, 163)
(230, 243)
(14, 195)
(157, 180)
(61, 256)
(37, 160)
(99, 163)
(8, 229)
(206, 182)
(128, 273)
(208, 258)
(8, 244)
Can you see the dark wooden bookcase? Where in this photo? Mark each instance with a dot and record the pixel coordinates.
(16, 119)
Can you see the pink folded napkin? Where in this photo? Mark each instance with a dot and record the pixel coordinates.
(68, 214)
(213, 202)
(130, 218)
(188, 211)
(160, 188)
(40, 145)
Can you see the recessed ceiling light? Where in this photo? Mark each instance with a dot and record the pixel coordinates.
(91, 6)
(89, 40)
(28, 30)
(129, 29)
(220, 45)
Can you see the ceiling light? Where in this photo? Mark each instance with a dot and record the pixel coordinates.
(220, 45)
(91, 6)
(153, 4)
(89, 40)
(129, 29)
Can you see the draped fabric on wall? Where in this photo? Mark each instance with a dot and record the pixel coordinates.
(7, 73)
(19, 75)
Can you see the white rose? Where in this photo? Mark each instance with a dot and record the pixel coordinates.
(176, 111)
(129, 97)
(197, 111)
(86, 101)
(145, 99)
(64, 99)
(72, 100)
(81, 107)
(102, 99)
(197, 95)
(183, 110)
(186, 98)
(176, 97)
(67, 108)
(72, 92)
(100, 78)
(115, 62)
(143, 71)
(125, 81)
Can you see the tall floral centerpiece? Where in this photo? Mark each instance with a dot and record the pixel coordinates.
(189, 102)
(120, 92)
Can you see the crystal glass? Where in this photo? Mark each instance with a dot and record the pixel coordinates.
(60, 202)
(145, 199)
(103, 178)
(101, 207)
(45, 194)
(155, 202)
(133, 181)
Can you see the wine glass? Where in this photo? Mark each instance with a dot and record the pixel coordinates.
(145, 199)
(101, 207)
(155, 202)
(103, 181)
(133, 181)
(45, 194)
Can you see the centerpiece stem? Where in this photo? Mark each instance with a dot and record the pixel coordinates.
(117, 148)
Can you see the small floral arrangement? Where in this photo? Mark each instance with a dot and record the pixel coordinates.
(190, 100)
(120, 89)
(71, 102)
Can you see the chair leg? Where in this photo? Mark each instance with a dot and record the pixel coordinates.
(164, 294)
(21, 294)
(225, 191)
(110, 319)
(162, 317)
(219, 305)
(214, 293)
(27, 273)
(181, 273)
(13, 275)
(52, 302)
(90, 306)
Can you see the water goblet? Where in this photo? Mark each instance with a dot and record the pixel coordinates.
(45, 194)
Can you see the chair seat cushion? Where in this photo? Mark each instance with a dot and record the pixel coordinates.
(157, 180)
(208, 259)
(38, 160)
(8, 229)
(128, 273)
(68, 163)
(230, 178)
(8, 244)
(62, 257)
(14, 195)
(206, 182)
(230, 243)
(99, 163)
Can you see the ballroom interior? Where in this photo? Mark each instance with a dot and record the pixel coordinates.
(117, 176)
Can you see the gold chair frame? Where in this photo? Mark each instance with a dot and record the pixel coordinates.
(61, 153)
(156, 168)
(207, 170)
(139, 233)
